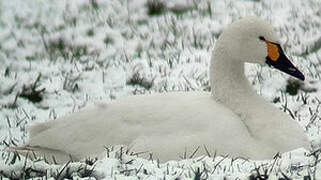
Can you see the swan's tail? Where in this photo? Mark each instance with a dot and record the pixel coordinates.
(51, 156)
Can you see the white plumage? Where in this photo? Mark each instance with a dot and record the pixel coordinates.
(232, 119)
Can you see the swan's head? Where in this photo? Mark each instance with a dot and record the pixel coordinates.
(253, 40)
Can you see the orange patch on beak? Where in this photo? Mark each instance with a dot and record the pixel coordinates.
(273, 51)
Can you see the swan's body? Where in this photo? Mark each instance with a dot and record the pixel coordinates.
(232, 119)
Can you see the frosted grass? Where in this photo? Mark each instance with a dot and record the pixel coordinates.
(86, 51)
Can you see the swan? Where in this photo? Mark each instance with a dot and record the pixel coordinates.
(231, 119)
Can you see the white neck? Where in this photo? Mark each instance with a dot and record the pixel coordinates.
(228, 82)
(231, 88)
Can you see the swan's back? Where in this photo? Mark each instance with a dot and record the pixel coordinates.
(161, 123)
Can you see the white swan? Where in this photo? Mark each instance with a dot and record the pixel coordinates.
(232, 119)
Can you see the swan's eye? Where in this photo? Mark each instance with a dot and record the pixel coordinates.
(262, 38)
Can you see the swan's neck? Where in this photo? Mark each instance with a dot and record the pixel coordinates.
(229, 84)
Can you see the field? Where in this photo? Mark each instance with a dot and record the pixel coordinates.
(57, 57)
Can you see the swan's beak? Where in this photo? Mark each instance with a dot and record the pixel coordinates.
(278, 60)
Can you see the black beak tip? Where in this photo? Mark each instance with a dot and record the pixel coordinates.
(294, 72)
(284, 65)
(301, 77)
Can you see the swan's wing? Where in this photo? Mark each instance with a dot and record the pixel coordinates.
(155, 119)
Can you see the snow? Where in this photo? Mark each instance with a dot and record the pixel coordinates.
(86, 54)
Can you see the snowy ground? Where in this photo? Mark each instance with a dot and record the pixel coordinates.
(59, 56)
